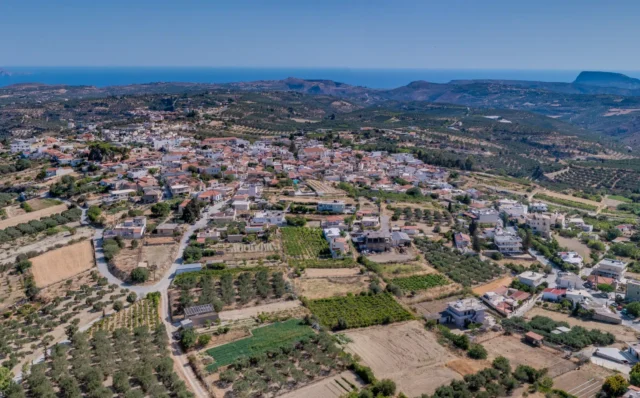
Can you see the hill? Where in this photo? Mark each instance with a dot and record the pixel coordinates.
(607, 79)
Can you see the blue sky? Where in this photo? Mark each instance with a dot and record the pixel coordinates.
(535, 34)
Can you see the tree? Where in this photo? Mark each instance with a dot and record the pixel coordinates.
(204, 339)
(6, 377)
(94, 213)
(477, 351)
(615, 385)
(139, 275)
(475, 243)
(502, 364)
(118, 306)
(191, 212)
(161, 209)
(385, 388)
(633, 309)
(132, 297)
(188, 338)
(606, 288)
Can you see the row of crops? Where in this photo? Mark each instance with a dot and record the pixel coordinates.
(464, 269)
(565, 202)
(140, 313)
(347, 262)
(606, 179)
(264, 339)
(420, 282)
(304, 243)
(357, 311)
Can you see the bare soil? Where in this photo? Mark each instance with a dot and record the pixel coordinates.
(330, 272)
(250, 312)
(583, 382)
(314, 288)
(34, 215)
(327, 387)
(491, 286)
(63, 263)
(405, 353)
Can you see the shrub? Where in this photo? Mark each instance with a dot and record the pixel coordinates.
(117, 305)
(139, 275)
(477, 351)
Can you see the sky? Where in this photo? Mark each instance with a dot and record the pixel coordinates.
(445, 34)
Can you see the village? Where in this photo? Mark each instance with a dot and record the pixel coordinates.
(427, 275)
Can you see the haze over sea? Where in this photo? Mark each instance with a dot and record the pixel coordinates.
(374, 78)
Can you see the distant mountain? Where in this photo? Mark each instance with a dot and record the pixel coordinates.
(607, 79)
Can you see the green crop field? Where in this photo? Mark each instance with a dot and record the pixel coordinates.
(347, 262)
(304, 243)
(420, 282)
(358, 311)
(565, 202)
(264, 339)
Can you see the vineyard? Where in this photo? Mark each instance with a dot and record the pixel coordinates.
(357, 311)
(267, 338)
(304, 243)
(565, 202)
(466, 270)
(319, 263)
(420, 282)
(140, 313)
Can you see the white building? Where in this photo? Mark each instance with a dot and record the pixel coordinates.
(335, 206)
(572, 258)
(464, 311)
(530, 278)
(269, 217)
(514, 210)
(610, 268)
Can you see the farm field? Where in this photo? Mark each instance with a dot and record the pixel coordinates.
(34, 215)
(304, 243)
(141, 313)
(466, 270)
(160, 255)
(347, 262)
(263, 339)
(43, 203)
(584, 382)
(405, 353)
(420, 282)
(11, 290)
(329, 272)
(316, 288)
(406, 269)
(621, 332)
(520, 353)
(358, 311)
(63, 263)
(491, 286)
(433, 307)
(285, 307)
(573, 202)
(330, 387)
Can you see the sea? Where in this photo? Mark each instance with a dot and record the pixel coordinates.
(373, 78)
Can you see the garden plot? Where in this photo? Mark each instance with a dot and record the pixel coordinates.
(63, 263)
(331, 387)
(318, 287)
(141, 313)
(248, 247)
(405, 353)
(584, 382)
(304, 243)
(34, 215)
(11, 290)
(161, 256)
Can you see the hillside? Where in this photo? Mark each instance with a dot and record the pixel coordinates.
(607, 79)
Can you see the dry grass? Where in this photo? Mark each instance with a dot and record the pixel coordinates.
(405, 353)
(34, 215)
(491, 286)
(63, 263)
(314, 288)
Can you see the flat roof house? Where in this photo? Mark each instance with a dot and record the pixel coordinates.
(200, 314)
(463, 312)
(610, 268)
(335, 206)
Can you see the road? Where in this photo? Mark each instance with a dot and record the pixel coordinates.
(553, 276)
(181, 363)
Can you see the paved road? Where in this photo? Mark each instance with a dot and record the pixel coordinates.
(553, 276)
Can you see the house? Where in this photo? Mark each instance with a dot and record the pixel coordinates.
(578, 296)
(543, 223)
(530, 278)
(506, 300)
(370, 222)
(507, 241)
(633, 290)
(569, 280)
(572, 258)
(151, 196)
(594, 280)
(377, 241)
(167, 229)
(488, 216)
(335, 206)
(333, 222)
(410, 230)
(607, 316)
(632, 392)
(514, 210)
(131, 228)
(625, 229)
(553, 294)
(200, 314)
(463, 312)
(610, 268)
(269, 217)
(400, 239)
(121, 194)
(538, 207)
(241, 205)
(533, 338)
(462, 241)
(210, 196)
